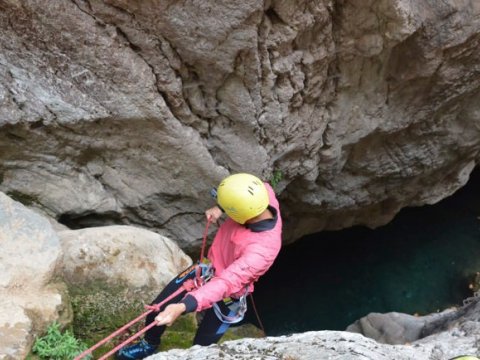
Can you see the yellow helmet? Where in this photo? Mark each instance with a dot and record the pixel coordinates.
(465, 357)
(242, 197)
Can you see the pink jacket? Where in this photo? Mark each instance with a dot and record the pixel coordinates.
(239, 256)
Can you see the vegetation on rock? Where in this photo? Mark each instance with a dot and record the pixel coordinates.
(99, 310)
(56, 345)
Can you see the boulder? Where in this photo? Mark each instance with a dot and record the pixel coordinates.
(127, 256)
(29, 300)
(398, 328)
(34, 259)
(392, 328)
(15, 330)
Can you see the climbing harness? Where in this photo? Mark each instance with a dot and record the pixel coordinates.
(204, 272)
(237, 308)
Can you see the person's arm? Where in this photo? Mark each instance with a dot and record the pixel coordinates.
(254, 262)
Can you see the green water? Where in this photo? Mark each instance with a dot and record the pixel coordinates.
(421, 262)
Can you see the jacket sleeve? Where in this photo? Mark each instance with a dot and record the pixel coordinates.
(256, 259)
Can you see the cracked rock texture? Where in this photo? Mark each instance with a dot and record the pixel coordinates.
(439, 336)
(122, 112)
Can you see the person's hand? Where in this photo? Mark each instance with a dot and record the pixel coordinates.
(170, 314)
(213, 214)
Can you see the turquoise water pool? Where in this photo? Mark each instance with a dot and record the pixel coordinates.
(421, 262)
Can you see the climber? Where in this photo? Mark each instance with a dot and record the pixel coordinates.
(243, 249)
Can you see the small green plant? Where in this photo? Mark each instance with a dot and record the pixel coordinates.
(276, 177)
(57, 346)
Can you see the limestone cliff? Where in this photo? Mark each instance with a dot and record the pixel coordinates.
(122, 112)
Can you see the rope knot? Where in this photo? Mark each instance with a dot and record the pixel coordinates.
(189, 285)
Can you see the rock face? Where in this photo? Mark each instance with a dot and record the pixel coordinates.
(29, 252)
(435, 337)
(323, 345)
(114, 112)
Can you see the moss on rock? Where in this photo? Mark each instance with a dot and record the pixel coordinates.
(180, 335)
(241, 332)
(100, 309)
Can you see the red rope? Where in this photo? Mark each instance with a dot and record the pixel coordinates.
(204, 241)
(111, 336)
(187, 286)
(129, 340)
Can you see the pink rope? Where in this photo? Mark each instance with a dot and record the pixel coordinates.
(204, 241)
(111, 336)
(129, 340)
(186, 287)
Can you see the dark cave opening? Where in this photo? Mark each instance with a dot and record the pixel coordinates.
(421, 262)
(90, 219)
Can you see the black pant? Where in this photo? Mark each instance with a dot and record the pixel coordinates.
(211, 328)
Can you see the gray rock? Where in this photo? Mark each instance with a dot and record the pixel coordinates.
(33, 254)
(398, 328)
(120, 255)
(15, 330)
(115, 113)
(438, 336)
(392, 328)
(323, 345)
(30, 251)
(27, 240)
